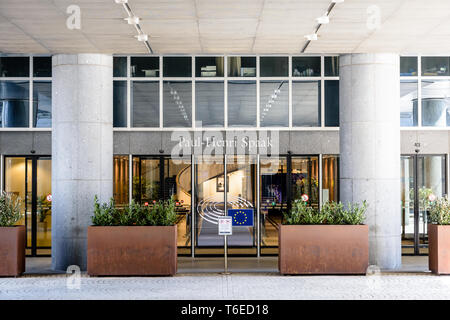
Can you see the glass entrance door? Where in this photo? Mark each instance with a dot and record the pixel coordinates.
(422, 176)
(30, 179)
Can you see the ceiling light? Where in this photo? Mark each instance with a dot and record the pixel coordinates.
(132, 20)
(323, 20)
(121, 1)
(311, 37)
(142, 37)
(333, 1)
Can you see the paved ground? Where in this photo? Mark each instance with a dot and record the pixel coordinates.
(412, 282)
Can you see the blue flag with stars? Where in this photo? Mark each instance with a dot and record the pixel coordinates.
(241, 217)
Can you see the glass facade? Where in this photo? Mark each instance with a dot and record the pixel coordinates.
(242, 103)
(306, 104)
(209, 102)
(145, 102)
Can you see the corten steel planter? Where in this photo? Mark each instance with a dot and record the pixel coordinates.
(132, 251)
(12, 251)
(323, 249)
(439, 248)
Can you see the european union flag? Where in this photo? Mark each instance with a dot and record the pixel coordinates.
(241, 217)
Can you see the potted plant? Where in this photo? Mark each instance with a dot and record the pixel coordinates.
(332, 240)
(137, 240)
(439, 236)
(12, 237)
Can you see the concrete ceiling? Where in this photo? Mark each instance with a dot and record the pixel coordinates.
(227, 26)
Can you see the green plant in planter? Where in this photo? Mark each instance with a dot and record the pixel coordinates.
(301, 213)
(105, 214)
(440, 211)
(9, 210)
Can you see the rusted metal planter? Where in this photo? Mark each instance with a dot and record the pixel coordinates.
(12, 251)
(439, 249)
(132, 251)
(323, 249)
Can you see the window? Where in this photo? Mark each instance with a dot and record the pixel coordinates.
(241, 103)
(42, 66)
(177, 66)
(209, 67)
(306, 66)
(435, 66)
(209, 103)
(274, 104)
(331, 66)
(145, 102)
(408, 66)
(144, 66)
(435, 103)
(306, 103)
(408, 103)
(274, 66)
(119, 66)
(177, 106)
(119, 104)
(14, 104)
(331, 103)
(42, 104)
(242, 66)
(14, 66)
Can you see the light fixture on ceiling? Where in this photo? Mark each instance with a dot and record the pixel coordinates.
(132, 20)
(323, 20)
(142, 37)
(311, 37)
(121, 1)
(337, 1)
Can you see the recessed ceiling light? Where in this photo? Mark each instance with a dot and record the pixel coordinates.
(121, 1)
(337, 1)
(142, 37)
(132, 20)
(311, 37)
(323, 20)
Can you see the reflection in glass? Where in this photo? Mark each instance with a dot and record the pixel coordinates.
(119, 66)
(435, 66)
(330, 178)
(145, 103)
(241, 103)
(242, 66)
(305, 179)
(435, 103)
(331, 66)
(15, 181)
(121, 180)
(306, 66)
(119, 104)
(146, 180)
(274, 104)
(209, 103)
(14, 66)
(306, 103)
(14, 104)
(209, 67)
(44, 205)
(408, 66)
(144, 66)
(177, 66)
(407, 201)
(273, 201)
(273, 66)
(42, 66)
(42, 104)
(177, 106)
(332, 103)
(408, 103)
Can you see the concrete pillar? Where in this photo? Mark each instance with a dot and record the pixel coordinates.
(370, 148)
(82, 150)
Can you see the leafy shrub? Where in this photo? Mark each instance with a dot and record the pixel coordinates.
(440, 211)
(161, 214)
(332, 213)
(9, 210)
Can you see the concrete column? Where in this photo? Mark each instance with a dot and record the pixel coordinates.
(82, 150)
(370, 148)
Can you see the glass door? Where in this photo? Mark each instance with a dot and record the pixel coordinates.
(423, 177)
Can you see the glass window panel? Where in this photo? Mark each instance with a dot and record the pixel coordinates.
(330, 178)
(119, 104)
(42, 66)
(145, 103)
(42, 104)
(241, 103)
(177, 66)
(306, 66)
(209, 67)
(177, 107)
(306, 103)
(274, 104)
(332, 103)
(305, 179)
(144, 66)
(435, 66)
(209, 103)
(408, 66)
(146, 180)
(14, 104)
(408, 103)
(331, 66)
(273, 66)
(435, 103)
(14, 66)
(121, 180)
(242, 66)
(14, 180)
(120, 66)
